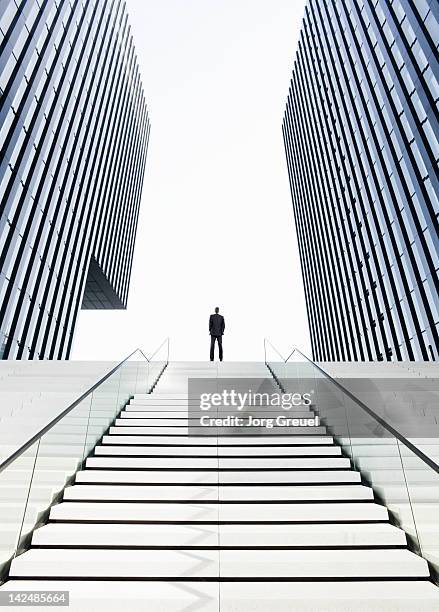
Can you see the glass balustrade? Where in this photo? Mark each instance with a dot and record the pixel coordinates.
(33, 477)
(390, 434)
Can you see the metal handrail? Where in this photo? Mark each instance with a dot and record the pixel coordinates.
(266, 341)
(58, 418)
(166, 340)
(434, 466)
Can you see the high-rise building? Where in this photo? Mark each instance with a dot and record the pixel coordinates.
(361, 139)
(73, 139)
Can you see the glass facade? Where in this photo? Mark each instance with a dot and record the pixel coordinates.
(74, 132)
(361, 139)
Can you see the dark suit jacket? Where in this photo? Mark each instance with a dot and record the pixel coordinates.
(216, 325)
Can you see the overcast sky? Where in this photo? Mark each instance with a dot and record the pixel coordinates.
(216, 224)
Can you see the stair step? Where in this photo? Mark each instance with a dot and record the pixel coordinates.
(165, 407)
(11, 492)
(158, 409)
(46, 462)
(162, 421)
(192, 477)
(206, 451)
(143, 432)
(216, 493)
(215, 463)
(184, 430)
(161, 394)
(156, 414)
(194, 420)
(323, 563)
(135, 563)
(126, 435)
(257, 596)
(108, 535)
(376, 464)
(196, 512)
(115, 563)
(45, 476)
(426, 494)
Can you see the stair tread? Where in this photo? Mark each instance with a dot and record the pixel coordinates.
(119, 432)
(226, 563)
(217, 493)
(215, 463)
(201, 512)
(257, 596)
(218, 476)
(119, 449)
(379, 534)
(142, 432)
(184, 430)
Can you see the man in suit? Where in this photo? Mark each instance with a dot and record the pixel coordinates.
(216, 331)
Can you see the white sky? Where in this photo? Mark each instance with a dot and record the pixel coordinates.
(216, 225)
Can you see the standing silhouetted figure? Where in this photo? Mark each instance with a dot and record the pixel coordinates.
(216, 331)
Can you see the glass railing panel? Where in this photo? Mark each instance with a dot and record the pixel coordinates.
(86, 424)
(106, 403)
(157, 363)
(275, 361)
(423, 487)
(34, 480)
(373, 450)
(60, 453)
(400, 466)
(137, 376)
(14, 489)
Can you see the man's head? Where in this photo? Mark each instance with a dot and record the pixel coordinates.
(216, 310)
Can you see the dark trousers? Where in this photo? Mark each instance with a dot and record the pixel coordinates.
(212, 347)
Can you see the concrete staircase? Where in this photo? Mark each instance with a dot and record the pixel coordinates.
(161, 521)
